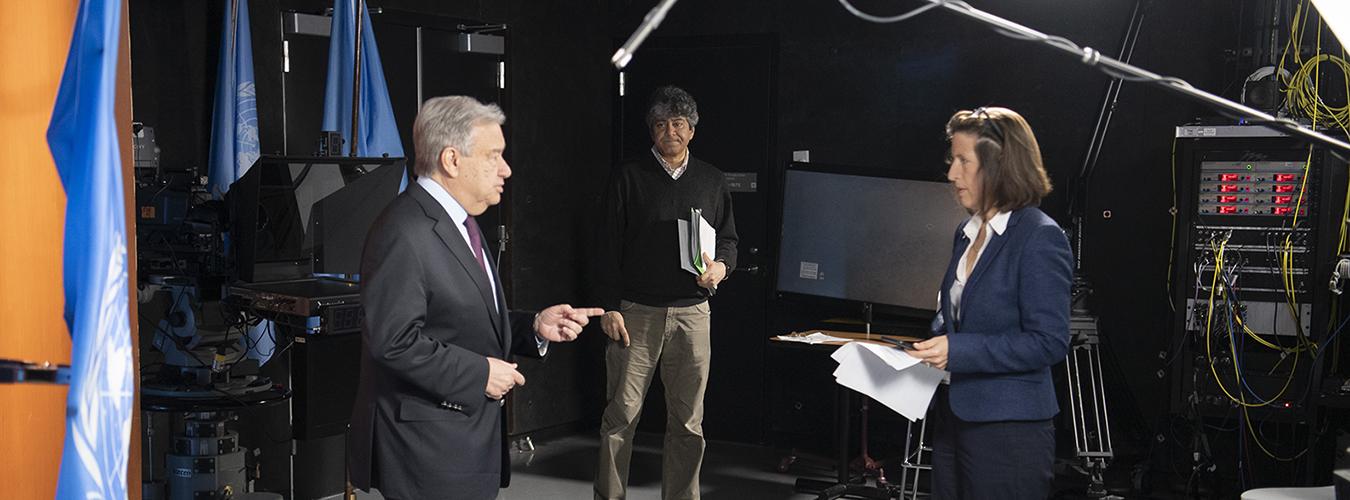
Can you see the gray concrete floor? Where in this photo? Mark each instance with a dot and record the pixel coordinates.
(564, 468)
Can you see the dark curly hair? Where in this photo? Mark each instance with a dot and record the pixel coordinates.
(672, 102)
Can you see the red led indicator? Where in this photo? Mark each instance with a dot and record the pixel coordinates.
(1285, 177)
(1227, 198)
(1228, 177)
(1282, 200)
(1227, 210)
(1287, 188)
(1283, 210)
(1228, 188)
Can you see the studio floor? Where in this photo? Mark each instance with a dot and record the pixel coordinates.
(563, 467)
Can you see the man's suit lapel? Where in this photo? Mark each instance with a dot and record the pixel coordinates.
(499, 320)
(449, 235)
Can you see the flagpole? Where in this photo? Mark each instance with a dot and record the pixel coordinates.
(356, 78)
(234, 39)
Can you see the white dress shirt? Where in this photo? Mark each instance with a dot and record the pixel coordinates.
(675, 171)
(996, 226)
(459, 215)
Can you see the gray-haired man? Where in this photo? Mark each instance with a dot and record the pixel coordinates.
(657, 312)
(438, 337)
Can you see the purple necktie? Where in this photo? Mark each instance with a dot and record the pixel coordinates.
(476, 241)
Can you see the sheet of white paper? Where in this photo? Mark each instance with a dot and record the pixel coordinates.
(813, 338)
(896, 358)
(889, 376)
(707, 239)
(686, 262)
(1337, 15)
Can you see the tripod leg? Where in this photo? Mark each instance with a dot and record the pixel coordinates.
(905, 466)
(919, 463)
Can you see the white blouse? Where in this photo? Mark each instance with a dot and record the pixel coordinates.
(997, 225)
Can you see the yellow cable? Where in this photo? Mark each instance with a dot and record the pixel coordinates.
(1310, 103)
(1267, 343)
(1287, 253)
(1345, 213)
(1242, 401)
(1257, 439)
(1307, 100)
(1287, 258)
(1214, 283)
(1232, 346)
(1209, 349)
(1293, 35)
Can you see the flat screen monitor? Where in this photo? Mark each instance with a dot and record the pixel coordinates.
(288, 213)
(866, 237)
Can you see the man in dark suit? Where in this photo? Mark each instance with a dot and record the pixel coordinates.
(438, 336)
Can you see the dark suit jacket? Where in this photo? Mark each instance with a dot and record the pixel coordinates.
(422, 427)
(1015, 321)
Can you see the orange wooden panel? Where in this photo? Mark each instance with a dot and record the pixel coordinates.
(32, 426)
(34, 39)
(123, 116)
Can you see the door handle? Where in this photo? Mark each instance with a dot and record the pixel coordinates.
(753, 268)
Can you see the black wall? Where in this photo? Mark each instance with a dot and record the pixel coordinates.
(849, 91)
(873, 95)
(559, 89)
(174, 47)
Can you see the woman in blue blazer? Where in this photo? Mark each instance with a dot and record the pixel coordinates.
(1003, 319)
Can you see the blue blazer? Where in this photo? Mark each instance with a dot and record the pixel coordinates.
(1014, 321)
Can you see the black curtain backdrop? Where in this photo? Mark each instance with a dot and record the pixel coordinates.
(851, 92)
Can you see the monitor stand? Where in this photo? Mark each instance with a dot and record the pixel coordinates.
(867, 319)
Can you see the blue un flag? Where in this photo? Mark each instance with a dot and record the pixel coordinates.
(234, 119)
(234, 133)
(83, 140)
(377, 133)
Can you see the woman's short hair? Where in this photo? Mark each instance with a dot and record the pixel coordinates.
(1012, 175)
(447, 122)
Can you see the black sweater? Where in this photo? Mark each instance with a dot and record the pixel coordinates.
(638, 255)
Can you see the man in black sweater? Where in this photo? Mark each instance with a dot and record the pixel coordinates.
(657, 312)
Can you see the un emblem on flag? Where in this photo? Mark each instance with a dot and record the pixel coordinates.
(246, 126)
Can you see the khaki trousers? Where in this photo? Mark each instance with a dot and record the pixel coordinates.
(676, 340)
